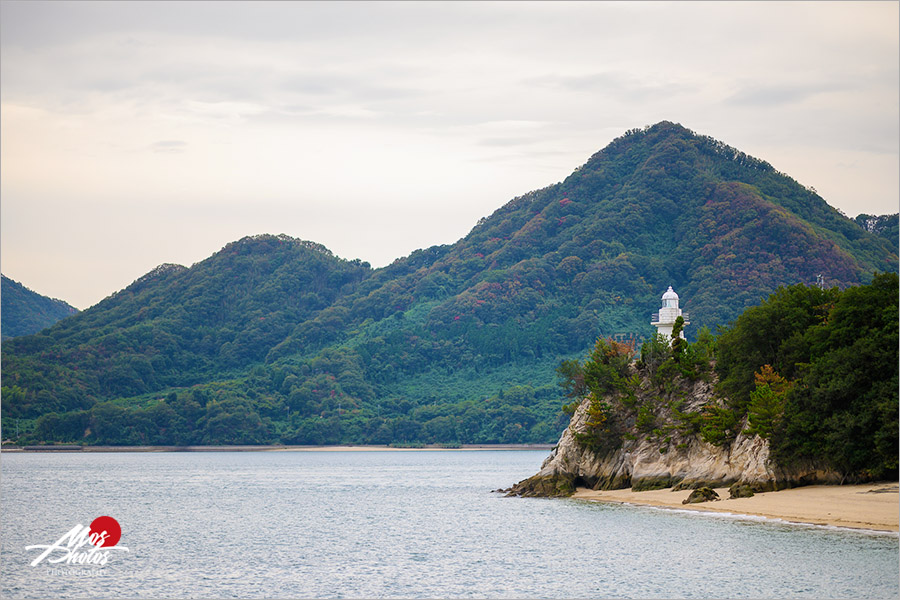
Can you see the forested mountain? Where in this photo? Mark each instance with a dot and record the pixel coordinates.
(274, 339)
(25, 312)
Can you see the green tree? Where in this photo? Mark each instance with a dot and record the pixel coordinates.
(770, 334)
(571, 378)
(654, 352)
(607, 368)
(605, 374)
(767, 402)
(678, 344)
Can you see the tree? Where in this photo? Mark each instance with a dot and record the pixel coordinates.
(571, 378)
(678, 343)
(770, 334)
(767, 402)
(654, 352)
(607, 368)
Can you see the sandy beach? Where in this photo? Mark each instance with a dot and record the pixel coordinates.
(874, 506)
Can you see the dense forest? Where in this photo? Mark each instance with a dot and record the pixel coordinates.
(816, 372)
(24, 312)
(886, 226)
(274, 339)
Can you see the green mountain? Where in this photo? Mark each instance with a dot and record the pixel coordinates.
(275, 339)
(24, 312)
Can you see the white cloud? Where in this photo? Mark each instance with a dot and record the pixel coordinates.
(169, 146)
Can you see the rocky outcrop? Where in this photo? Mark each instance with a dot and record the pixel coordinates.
(668, 456)
(703, 494)
(741, 490)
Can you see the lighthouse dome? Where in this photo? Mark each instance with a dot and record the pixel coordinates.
(670, 298)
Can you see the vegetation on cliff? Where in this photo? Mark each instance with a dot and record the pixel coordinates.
(627, 398)
(816, 371)
(275, 339)
(813, 371)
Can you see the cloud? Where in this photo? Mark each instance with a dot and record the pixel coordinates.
(362, 84)
(769, 95)
(613, 84)
(465, 104)
(507, 141)
(169, 146)
(224, 110)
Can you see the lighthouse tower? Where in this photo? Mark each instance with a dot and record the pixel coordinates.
(664, 320)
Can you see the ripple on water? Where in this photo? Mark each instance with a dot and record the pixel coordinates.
(401, 524)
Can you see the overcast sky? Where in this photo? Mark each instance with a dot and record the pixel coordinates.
(135, 134)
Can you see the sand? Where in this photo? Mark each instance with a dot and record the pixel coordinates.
(874, 506)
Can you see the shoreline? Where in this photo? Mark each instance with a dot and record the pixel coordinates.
(275, 448)
(873, 507)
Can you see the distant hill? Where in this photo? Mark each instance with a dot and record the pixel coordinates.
(25, 312)
(275, 339)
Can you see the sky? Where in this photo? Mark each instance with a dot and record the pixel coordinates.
(134, 134)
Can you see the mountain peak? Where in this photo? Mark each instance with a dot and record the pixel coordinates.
(267, 241)
(670, 143)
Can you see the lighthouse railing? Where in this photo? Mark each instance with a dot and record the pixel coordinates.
(654, 318)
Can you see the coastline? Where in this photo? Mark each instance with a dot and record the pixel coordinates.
(276, 448)
(869, 506)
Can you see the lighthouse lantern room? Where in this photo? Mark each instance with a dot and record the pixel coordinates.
(664, 320)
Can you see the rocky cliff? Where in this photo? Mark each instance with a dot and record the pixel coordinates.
(658, 447)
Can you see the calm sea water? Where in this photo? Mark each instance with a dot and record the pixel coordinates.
(397, 524)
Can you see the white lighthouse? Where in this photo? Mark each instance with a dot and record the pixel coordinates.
(664, 320)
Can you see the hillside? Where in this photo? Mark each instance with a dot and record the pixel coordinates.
(885, 226)
(274, 339)
(802, 389)
(25, 312)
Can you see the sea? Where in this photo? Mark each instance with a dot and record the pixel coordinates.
(394, 524)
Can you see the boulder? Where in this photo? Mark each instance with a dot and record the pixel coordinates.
(703, 494)
(741, 490)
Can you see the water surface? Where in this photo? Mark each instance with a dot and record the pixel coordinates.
(398, 524)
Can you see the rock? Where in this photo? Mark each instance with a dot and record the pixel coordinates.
(548, 486)
(741, 490)
(653, 482)
(703, 494)
(687, 462)
(693, 484)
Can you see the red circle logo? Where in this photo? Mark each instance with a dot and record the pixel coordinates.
(110, 527)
